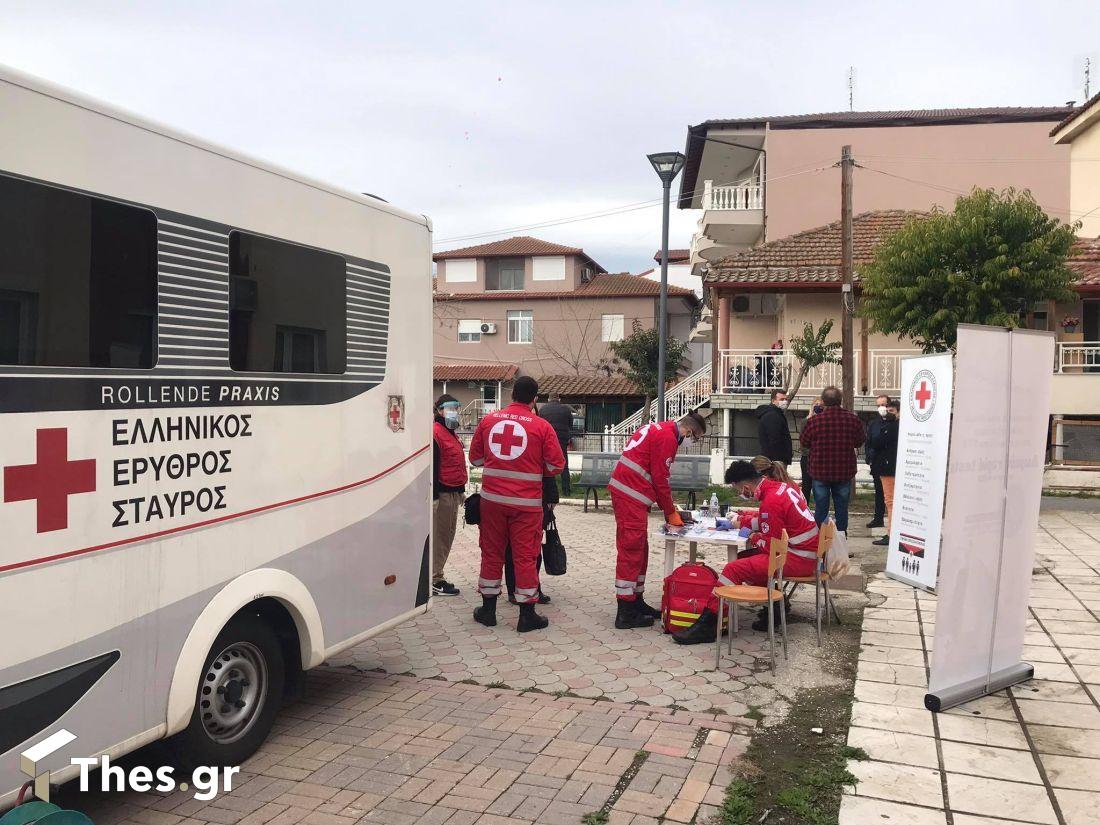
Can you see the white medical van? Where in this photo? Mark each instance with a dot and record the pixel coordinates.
(214, 441)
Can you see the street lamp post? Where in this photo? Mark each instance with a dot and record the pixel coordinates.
(667, 165)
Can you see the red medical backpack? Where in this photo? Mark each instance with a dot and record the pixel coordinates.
(687, 591)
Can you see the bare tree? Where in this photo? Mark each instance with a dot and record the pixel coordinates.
(573, 339)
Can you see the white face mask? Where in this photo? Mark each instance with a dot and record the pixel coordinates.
(882, 411)
(450, 418)
(688, 440)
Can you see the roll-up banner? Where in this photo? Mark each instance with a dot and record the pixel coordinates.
(994, 483)
(923, 431)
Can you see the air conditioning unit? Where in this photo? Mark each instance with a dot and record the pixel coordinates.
(488, 329)
(755, 304)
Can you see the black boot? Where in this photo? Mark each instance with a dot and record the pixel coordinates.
(487, 613)
(629, 616)
(646, 609)
(761, 622)
(530, 620)
(704, 630)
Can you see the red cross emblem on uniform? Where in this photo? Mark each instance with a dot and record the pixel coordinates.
(50, 480)
(507, 440)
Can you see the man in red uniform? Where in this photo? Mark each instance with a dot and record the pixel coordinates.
(782, 507)
(515, 449)
(640, 480)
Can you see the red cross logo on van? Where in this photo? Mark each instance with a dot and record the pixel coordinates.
(51, 480)
(507, 440)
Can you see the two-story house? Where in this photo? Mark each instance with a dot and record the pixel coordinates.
(761, 179)
(524, 306)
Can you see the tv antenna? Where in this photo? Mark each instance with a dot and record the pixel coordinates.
(1088, 69)
(852, 87)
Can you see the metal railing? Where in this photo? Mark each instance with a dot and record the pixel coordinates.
(745, 195)
(687, 395)
(756, 371)
(474, 411)
(1077, 357)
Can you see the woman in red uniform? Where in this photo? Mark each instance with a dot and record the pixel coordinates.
(782, 507)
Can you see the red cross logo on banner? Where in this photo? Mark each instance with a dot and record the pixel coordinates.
(507, 440)
(51, 480)
(922, 395)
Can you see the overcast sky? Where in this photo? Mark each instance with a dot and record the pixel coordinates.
(487, 116)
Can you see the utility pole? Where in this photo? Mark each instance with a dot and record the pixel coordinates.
(847, 370)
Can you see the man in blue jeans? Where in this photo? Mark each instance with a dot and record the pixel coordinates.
(832, 437)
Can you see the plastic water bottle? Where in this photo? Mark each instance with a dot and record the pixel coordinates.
(714, 504)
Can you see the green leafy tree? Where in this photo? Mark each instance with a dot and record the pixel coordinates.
(638, 355)
(987, 262)
(812, 349)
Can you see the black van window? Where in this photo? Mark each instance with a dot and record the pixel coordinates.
(78, 279)
(287, 307)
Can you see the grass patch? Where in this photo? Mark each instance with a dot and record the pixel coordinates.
(739, 804)
(754, 713)
(594, 818)
(790, 775)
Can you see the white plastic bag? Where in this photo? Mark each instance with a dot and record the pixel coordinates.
(836, 560)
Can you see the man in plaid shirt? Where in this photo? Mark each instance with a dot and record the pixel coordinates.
(832, 437)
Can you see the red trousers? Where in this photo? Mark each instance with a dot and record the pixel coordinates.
(631, 546)
(501, 525)
(754, 570)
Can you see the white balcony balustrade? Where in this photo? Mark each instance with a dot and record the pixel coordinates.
(738, 196)
(756, 371)
(1077, 357)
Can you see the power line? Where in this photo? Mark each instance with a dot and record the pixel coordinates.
(618, 210)
(952, 191)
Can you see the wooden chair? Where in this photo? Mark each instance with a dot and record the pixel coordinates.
(737, 594)
(820, 579)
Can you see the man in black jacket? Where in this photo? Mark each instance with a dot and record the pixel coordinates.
(561, 419)
(773, 430)
(869, 453)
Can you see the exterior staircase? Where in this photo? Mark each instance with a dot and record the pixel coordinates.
(688, 394)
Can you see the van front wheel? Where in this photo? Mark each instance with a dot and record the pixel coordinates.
(237, 697)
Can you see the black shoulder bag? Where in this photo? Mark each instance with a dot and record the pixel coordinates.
(553, 551)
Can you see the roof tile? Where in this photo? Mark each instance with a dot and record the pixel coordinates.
(813, 257)
(474, 372)
(597, 385)
(622, 285)
(520, 245)
(810, 257)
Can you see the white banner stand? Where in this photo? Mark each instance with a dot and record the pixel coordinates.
(995, 480)
(923, 431)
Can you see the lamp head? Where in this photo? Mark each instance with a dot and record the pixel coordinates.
(667, 165)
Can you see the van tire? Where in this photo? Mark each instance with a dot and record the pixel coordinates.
(244, 673)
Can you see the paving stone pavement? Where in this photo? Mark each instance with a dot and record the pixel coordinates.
(444, 721)
(1028, 754)
(582, 652)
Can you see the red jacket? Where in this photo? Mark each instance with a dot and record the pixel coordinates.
(450, 459)
(516, 449)
(782, 507)
(642, 472)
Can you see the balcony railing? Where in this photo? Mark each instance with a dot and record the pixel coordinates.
(736, 196)
(753, 371)
(1078, 357)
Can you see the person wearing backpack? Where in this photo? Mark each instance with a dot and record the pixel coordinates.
(782, 507)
